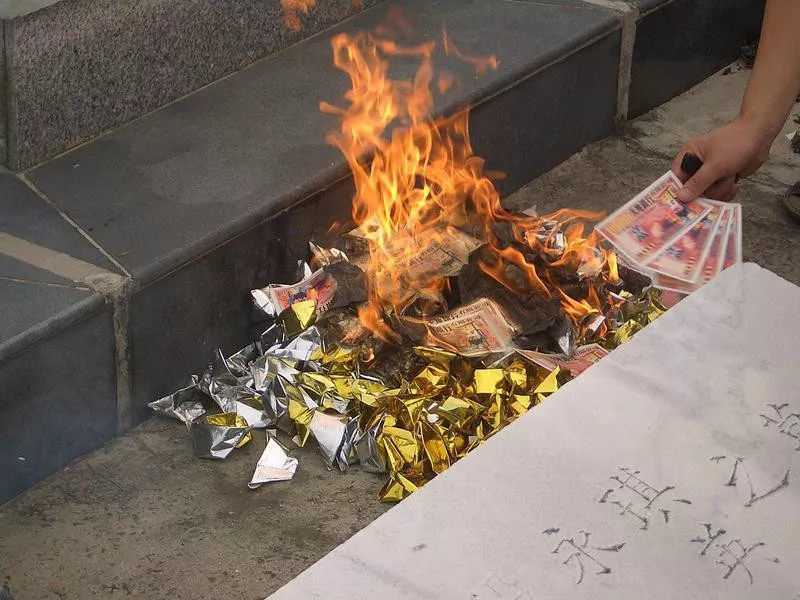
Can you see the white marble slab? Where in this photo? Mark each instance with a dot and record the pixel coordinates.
(682, 404)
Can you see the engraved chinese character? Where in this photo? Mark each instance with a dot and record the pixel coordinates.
(785, 422)
(581, 554)
(636, 497)
(732, 555)
(739, 466)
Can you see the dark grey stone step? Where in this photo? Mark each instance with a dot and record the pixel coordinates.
(681, 42)
(215, 194)
(58, 388)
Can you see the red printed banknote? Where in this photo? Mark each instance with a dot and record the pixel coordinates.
(652, 220)
(684, 258)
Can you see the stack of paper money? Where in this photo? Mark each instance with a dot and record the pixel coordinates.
(681, 246)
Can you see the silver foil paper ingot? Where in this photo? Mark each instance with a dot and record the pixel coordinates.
(239, 363)
(276, 403)
(329, 432)
(266, 368)
(187, 404)
(215, 382)
(274, 465)
(303, 271)
(326, 256)
(563, 334)
(272, 336)
(347, 453)
(252, 409)
(595, 322)
(300, 348)
(368, 452)
(224, 387)
(263, 301)
(216, 441)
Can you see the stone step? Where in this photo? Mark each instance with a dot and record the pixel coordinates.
(175, 217)
(77, 68)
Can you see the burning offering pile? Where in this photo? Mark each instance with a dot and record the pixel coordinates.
(437, 317)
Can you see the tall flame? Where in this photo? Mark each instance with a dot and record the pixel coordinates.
(417, 178)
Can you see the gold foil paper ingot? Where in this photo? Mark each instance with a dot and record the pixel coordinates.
(459, 412)
(397, 488)
(298, 317)
(489, 381)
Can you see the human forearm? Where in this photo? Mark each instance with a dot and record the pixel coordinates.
(739, 148)
(775, 80)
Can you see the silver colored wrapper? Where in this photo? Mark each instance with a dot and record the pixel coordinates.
(564, 336)
(266, 368)
(215, 441)
(300, 348)
(329, 432)
(347, 453)
(327, 256)
(274, 465)
(224, 387)
(304, 270)
(187, 404)
(272, 335)
(239, 363)
(276, 403)
(253, 412)
(262, 301)
(369, 455)
(595, 322)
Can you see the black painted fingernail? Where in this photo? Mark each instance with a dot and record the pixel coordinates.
(691, 164)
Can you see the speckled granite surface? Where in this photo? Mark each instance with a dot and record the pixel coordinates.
(80, 67)
(3, 116)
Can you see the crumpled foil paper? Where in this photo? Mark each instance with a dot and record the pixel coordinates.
(275, 464)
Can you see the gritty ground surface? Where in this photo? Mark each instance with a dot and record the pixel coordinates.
(604, 175)
(142, 517)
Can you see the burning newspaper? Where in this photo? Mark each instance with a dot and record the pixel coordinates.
(475, 329)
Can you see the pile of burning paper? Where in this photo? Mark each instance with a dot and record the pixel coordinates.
(440, 317)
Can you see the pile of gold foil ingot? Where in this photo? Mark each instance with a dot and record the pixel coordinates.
(629, 314)
(408, 412)
(437, 414)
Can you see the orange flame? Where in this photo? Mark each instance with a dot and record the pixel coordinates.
(423, 182)
(293, 8)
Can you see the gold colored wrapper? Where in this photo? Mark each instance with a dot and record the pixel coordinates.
(397, 488)
(489, 381)
(298, 317)
(230, 420)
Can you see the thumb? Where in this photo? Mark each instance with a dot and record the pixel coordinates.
(698, 183)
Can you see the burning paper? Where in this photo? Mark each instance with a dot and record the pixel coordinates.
(583, 358)
(441, 317)
(475, 329)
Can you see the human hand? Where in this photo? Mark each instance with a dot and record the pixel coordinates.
(729, 153)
